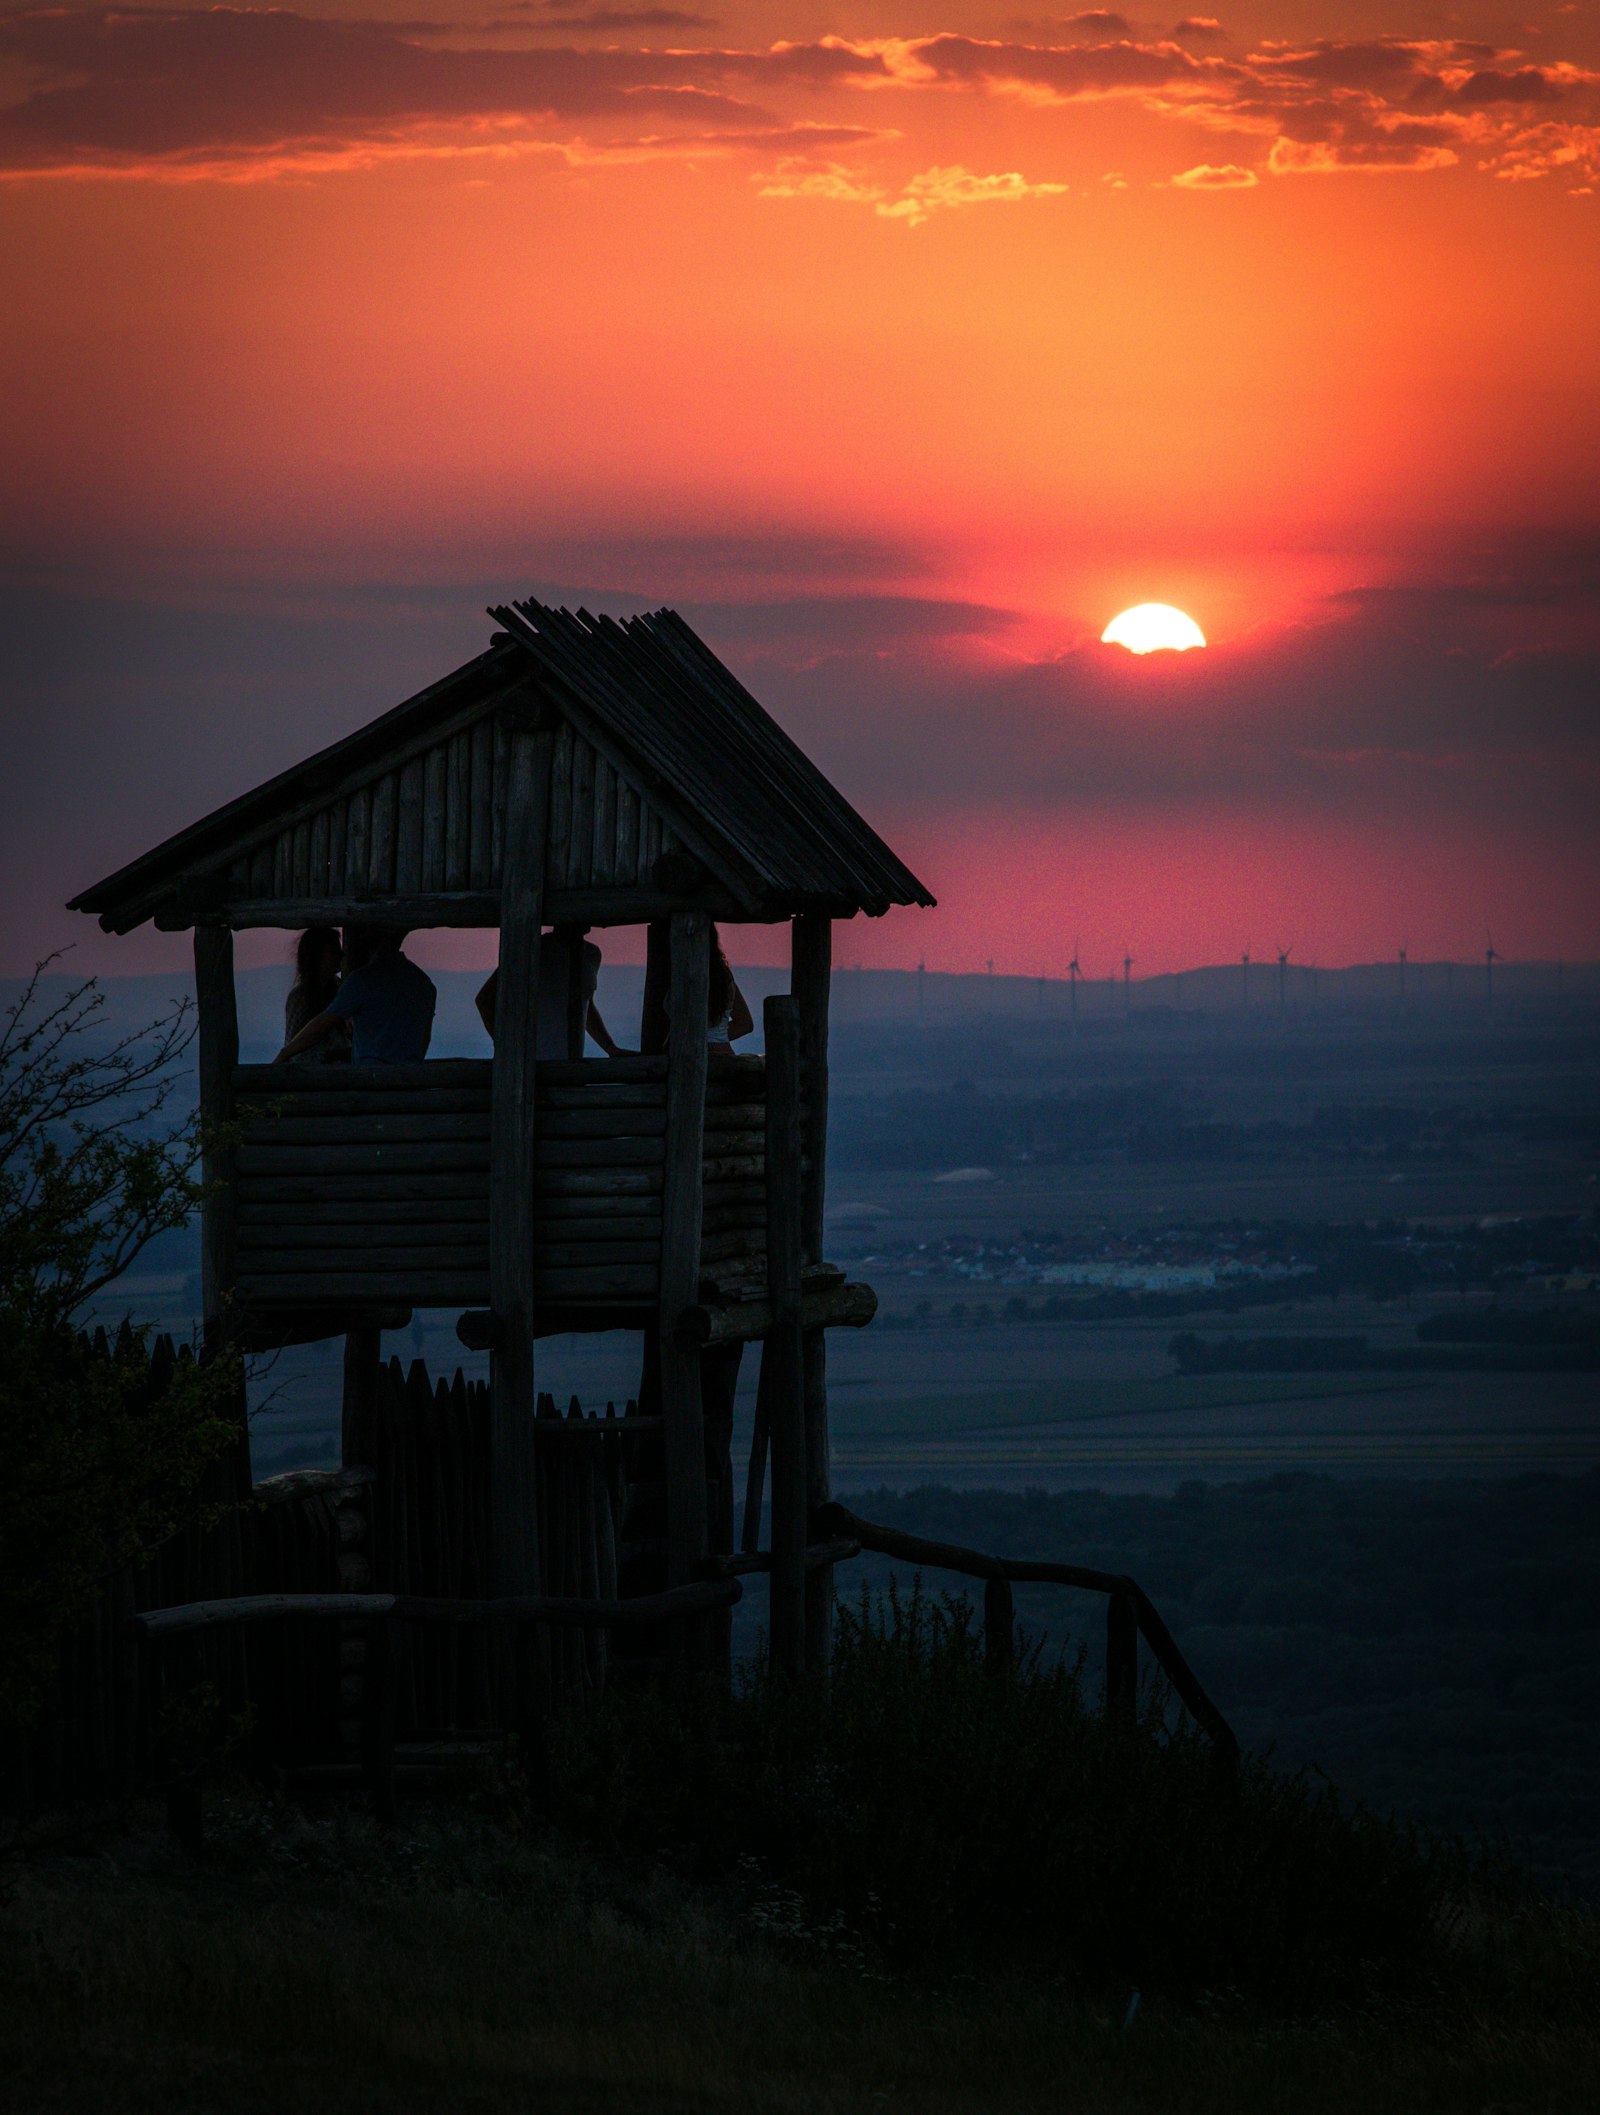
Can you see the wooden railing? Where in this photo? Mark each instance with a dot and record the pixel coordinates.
(1130, 1613)
(378, 1613)
(355, 1184)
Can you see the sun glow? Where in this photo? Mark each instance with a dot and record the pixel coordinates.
(1150, 626)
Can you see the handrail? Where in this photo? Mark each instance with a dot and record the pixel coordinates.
(1127, 1599)
(696, 1598)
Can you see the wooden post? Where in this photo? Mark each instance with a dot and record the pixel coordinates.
(363, 1352)
(577, 1005)
(782, 1379)
(682, 1203)
(1122, 1658)
(218, 1023)
(228, 1481)
(811, 956)
(513, 1539)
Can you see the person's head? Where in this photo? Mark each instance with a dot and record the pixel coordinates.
(719, 989)
(367, 943)
(318, 958)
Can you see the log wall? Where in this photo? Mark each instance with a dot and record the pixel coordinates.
(373, 1183)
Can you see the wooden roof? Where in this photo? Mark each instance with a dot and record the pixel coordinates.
(670, 786)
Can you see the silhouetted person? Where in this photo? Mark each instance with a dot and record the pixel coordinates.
(555, 993)
(728, 1016)
(386, 999)
(318, 959)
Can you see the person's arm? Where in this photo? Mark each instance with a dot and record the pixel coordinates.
(740, 1018)
(484, 1002)
(602, 1034)
(319, 1025)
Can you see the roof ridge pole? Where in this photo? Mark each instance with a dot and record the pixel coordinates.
(512, 1397)
(682, 1214)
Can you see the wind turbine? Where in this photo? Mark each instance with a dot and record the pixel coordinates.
(1127, 980)
(1073, 974)
(1402, 972)
(1283, 976)
(1244, 980)
(1490, 958)
(922, 971)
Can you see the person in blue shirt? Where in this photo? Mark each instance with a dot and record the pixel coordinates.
(387, 1001)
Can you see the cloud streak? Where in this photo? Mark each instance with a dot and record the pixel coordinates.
(157, 91)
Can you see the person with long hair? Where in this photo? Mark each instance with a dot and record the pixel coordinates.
(318, 961)
(728, 1016)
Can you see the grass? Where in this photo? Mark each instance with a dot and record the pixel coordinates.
(939, 1898)
(458, 1964)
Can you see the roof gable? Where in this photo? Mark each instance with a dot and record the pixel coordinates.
(658, 751)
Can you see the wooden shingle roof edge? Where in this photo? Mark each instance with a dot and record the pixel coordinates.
(127, 897)
(665, 697)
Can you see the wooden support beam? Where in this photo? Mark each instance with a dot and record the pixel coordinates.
(362, 1351)
(837, 1307)
(782, 1377)
(512, 1397)
(682, 1203)
(218, 1023)
(811, 973)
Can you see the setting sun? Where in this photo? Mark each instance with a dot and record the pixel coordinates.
(1150, 626)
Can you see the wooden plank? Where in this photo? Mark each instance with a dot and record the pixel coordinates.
(682, 1202)
(621, 1281)
(560, 839)
(218, 1053)
(357, 816)
(497, 839)
(480, 842)
(602, 1123)
(383, 1188)
(420, 1127)
(460, 1157)
(466, 908)
(408, 829)
(356, 1236)
(317, 860)
(271, 1081)
(625, 859)
(335, 1107)
(512, 1222)
(840, 1307)
(602, 854)
(283, 863)
(554, 1233)
(580, 851)
(600, 1210)
(257, 1217)
(382, 824)
(783, 1386)
(600, 1152)
(366, 1288)
(396, 1264)
(261, 867)
(433, 818)
(458, 811)
(300, 859)
(742, 1168)
(613, 1182)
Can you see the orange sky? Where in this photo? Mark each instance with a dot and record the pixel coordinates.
(900, 352)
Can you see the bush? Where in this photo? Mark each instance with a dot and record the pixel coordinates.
(957, 1821)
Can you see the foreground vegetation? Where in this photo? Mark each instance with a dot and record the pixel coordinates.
(950, 1893)
(461, 1963)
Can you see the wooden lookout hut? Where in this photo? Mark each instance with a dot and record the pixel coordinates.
(578, 773)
